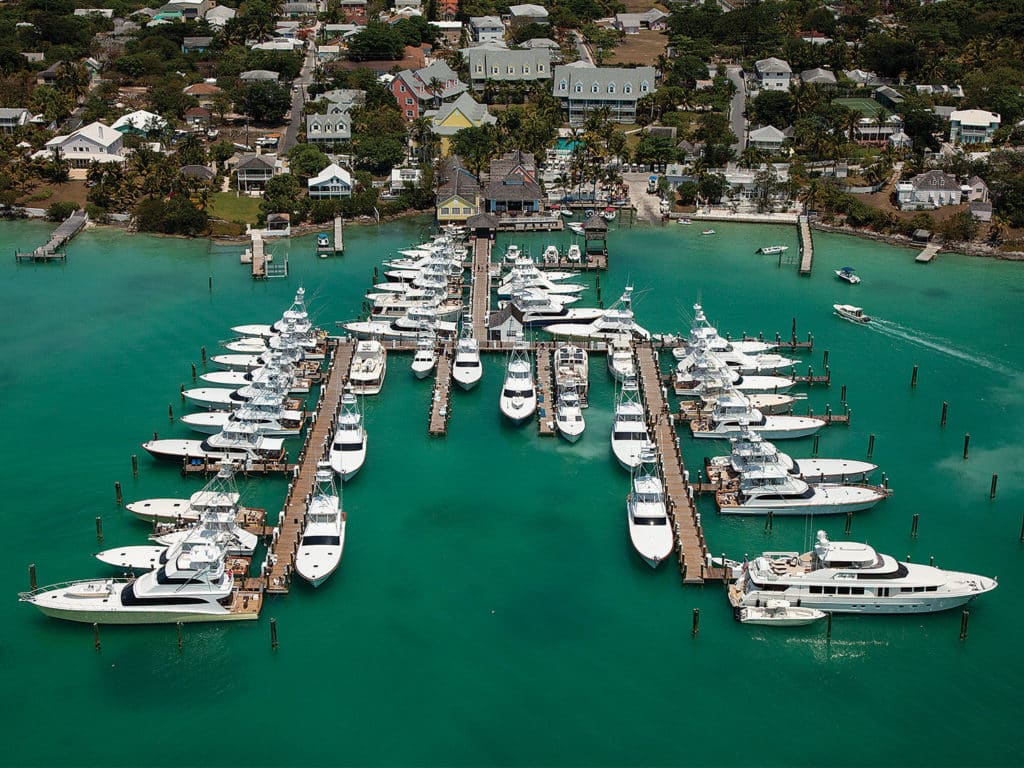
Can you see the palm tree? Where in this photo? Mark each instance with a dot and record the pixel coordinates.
(435, 88)
(73, 78)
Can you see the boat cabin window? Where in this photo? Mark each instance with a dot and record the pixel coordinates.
(629, 435)
(647, 498)
(320, 541)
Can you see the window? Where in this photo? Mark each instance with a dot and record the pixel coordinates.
(444, 211)
(408, 101)
(627, 88)
(401, 88)
(611, 87)
(595, 88)
(494, 70)
(511, 70)
(578, 88)
(408, 113)
(644, 87)
(479, 67)
(562, 85)
(526, 69)
(540, 67)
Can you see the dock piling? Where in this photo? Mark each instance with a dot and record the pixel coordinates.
(696, 622)
(913, 525)
(967, 443)
(32, 577)
(202, 354)
(849, 523)
(273, 634)
(96, 636)
(842, 395)
(814, 450)
(179, 637)
(931, 561)
(211, 283)
(965, 616)
(992, 488)
(945, 410)
(769, 522)
(824, 361)
(871, 445)
(99, 528)
(135, 466)
(828, 632)
(913, 377)
(117, 493)
(170, 412)
(193, 373)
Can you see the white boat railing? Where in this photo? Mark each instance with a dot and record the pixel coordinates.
(29, 594)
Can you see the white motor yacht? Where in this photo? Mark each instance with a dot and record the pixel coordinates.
(851, 313)
(241, 362)
(323, 537)
(621, 364)
(572, 369)
(404, 328)
(466, 368)
(239, 442)
(535, 308)
(297, 385)
(848, 577)
(534, 278)
(425, 358)
(779, 613)
(569, 415)
(751, 451)
(617, 320)
(348, 448)
(269, 413)
(518, 399)
(772, 489)
(733, 413)
(704, 335)
(369, 366)
(705, 370)
(629, 429)
(646, 512)
(193, 586)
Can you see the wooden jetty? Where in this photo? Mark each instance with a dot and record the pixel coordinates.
(339, 235)
(280, 562)
(206, 467)
(930, 252)
(480, 287)
(545, 391)
(806, 246)
(258, 256)
(534, 223)
(691, 546)
(61, 236)
(441, 400)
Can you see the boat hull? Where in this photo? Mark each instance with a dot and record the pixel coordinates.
(845, 499)
(653, 547)
(150, 510)
(518, 415)
(775, 428)
(793, 617)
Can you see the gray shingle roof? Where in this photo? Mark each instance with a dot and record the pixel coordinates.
(568, 76)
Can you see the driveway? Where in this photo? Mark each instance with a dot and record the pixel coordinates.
(648, 206)
(583, 50)
(737, 121)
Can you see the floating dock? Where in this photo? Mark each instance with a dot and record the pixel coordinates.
(61, 236)
(480, 287)
(545, 391)
(441, 399)
(691, 546)
(280, 561)
(806, 246)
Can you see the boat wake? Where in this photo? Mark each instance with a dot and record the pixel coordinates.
(938, 344)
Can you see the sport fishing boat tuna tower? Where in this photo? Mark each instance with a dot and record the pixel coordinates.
(518, 399)
(751, 451)
(348, 448)
(617, 320)
(629, 430)
(646, 513)
(569, 414)
(772, 489)
(733, 413)
(466, 369)
(239, 442)
(323, 538)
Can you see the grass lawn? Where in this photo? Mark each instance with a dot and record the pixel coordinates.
(642, 49)
(224, 205)
(866, 107)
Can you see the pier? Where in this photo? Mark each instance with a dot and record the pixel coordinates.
(806, 246)
(335, 247)
(480, 287)
(930, 252)
(441, 400)
(281, 553)
(61, 236)
(545, 391)
(258, 257)
(691, 547)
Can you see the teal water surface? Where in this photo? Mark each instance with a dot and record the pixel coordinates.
(489, 609)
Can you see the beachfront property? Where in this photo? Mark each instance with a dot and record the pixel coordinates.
(582, 87)
(332, 182)
(485, 29)
(512, 185)
(772, 74)
(416, 90)
(451, 118)
(972, 126)
(506, 66)
(252, 172)
(93, 143)
(928, 191)
(403, 178)
(747, 189)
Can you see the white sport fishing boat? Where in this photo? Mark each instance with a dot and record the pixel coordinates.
(693, 376)
(572, 369)
(369, 367)
(242, 362)
(617, 320)
(534, 278)
(274, 384)
(772, 489)
(297, 385)
(569, 415)
(629, 430)
(425, 358)
(323, 537)
(780, 613)
(296, 315)
(466, 368)
(408, 327)
(621, 364)
(268, 413)
(191, 587)
(240, 442)
(518, 399)
(348, 448)
(751, 451)
(646, 512)
(733, 414)
(848, 577)
(533, 308)
(704, 335)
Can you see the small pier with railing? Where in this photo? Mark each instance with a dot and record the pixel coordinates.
(61, 236)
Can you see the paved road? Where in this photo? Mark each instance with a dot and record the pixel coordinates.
(737, 121)
(291, 133)
(583, 50)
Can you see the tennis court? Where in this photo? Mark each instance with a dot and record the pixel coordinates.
(866, 107)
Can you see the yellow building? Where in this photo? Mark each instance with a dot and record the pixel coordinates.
(451, 118)
(458, 193)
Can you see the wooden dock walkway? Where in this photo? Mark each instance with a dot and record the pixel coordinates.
(339, 235)
(441, 400)
(691, 546)
(930, 252)
(259, 257)
(806, 246)
(280, 562)
(545, 391)
(61, 236)
(480, 287)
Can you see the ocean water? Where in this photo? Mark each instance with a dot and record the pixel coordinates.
(489, 609)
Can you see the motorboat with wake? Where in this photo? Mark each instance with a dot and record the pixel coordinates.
(348, 448)
(617, 320)
(569, 414)
(851, 313)
(646, 511)
(518, 399)
(323, 538)
(629, 429)
(849, 577)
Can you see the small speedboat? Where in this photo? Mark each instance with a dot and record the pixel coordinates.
(574, 253)
(323, 245)
(551, 255)
(609, 213)
(851, 313)
(769, 250)
(708, 232)
(780, 613)
(576, 227)
(684, 221)
(847, 274)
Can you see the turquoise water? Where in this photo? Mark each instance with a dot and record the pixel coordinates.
(489, 608)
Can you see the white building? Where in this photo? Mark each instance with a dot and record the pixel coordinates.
(772, 74)
(332, 182)
(972, 126)
(927, 191)
(139, 122)
(93, 143)
(486, 28)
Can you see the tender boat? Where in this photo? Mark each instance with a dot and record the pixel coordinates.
(684, 220)
(779, 613)
(851, 313)
(750, 451)
(348, 448)
(574, 254)
(771, 250)
(576, 227)
(847, 274)
(629, 430)
(369, 366)
(323, 538)
(551, 255)
(708, 232)
(572, 369)
(615, 321)
(733, 414)
(193, 586)
(240, 442)
(425, 358)
(466, 369)
(621, 364)
(848, 577)
(569, 415)
(646, 513)
(518, 399)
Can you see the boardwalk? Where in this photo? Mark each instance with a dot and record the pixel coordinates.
(281, 554)
(480, 287)
(930, 252)
(545, 392)
(259, 257)
(692, 548)
(62, 235)
(441, 401)
(806, 246)
(339, 235)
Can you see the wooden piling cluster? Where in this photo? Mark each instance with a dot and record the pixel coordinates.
(280, 562)
(545, 391)
(692, 548)
(480, 287)
(441, 400)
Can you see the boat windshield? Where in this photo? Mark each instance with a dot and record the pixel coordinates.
(321, 541)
